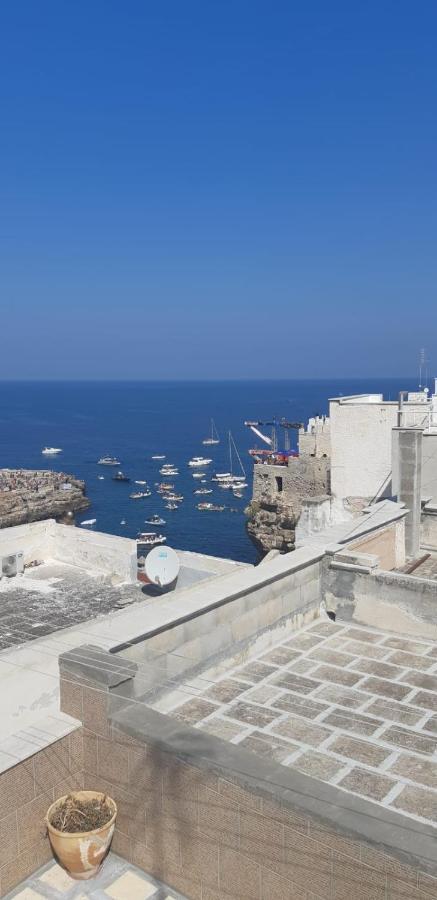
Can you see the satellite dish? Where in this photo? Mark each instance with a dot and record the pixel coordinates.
(162, 566)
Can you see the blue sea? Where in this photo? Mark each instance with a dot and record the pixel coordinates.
(134, 420)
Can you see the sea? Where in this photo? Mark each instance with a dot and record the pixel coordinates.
(135, 420)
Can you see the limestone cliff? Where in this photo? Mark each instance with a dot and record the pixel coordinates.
(27, 496)
(276, 504)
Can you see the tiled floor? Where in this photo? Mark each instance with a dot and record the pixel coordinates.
(353, 706)
(118, 880)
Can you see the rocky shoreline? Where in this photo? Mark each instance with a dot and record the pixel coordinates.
(28, 496)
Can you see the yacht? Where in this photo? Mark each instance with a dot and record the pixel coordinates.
(120, 476)
(199, 461)
(140, 495)
(155, 520)
(108, 461)
(214, 439)
(212, 507)
(150, 538)
(166, 470)
(51, 451)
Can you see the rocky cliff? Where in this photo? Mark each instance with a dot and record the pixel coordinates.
(27, 496)
(276, 504)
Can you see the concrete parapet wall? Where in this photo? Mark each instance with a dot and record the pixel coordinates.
(428, 529)
(33, 539)
(95, 551)
(388, 544)
(389, 600)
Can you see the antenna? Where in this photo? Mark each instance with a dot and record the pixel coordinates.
(422, 366)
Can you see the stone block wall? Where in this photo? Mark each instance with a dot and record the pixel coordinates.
(26, 792)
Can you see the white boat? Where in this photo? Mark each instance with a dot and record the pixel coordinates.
(155, 520)
(212, 507)
(51, 451)
(123, 522)
(174, 498)
(88, 522)
(101, 477)
(150, 538)
(228, 479)
(169, 471)
(203, 491)
(199, 461)
(214, 439)
(141, 482)
(158, 456)
(108, 461)
(199, 474)
(171, 505)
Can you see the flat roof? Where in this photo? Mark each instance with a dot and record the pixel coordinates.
(355, 707)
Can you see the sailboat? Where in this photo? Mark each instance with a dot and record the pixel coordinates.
(214, 439)
(228, 479)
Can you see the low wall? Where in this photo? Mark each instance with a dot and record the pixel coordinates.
(428, 529)
(26, 792)
(388, 544)
(389, 600)
(33, 539)
(219, 823)
(95, 551)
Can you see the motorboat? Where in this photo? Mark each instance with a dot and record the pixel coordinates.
(108, 461)
(140, 482)
(239, 485)
(100, 477)
(171, 505)
(214, 439)
(140, 495)
(164, 486)
(158, 456)
(51, 451)
(87, 523)
(123, 522)
(199, 461)
(174, 497)
(155, 520)
(150, 538)
(199, 474)
(212, 507)
(164, 471)
(238, 494)
(203, 491)
(120, 476)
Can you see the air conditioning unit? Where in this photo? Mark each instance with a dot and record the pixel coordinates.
(12, 565)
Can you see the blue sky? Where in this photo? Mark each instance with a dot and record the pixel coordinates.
(207, 190)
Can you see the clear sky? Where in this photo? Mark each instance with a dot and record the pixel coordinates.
(202, 189)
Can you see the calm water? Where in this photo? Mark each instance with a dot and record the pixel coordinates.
(135, 420)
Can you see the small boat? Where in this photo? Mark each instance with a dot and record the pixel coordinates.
(123, 522)
(140, 495)
(199, 474)
(120, 476)
(88, 522)
(175, 497)
(101, 477)
(239, 486)
(203, 491)
(199, 461)
(171, 506)
(169, 471)
(158, 456)
(155, 520)
(51, 451)
(108, 461)
(212, 507)
(150, 538)
(214, 439)
(165, 486)
(141, 482)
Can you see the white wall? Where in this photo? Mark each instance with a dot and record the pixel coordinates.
(33, 540)
(95, 551)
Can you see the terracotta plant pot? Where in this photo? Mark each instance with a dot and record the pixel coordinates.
(81, 853)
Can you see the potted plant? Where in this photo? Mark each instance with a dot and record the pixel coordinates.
(80, 827)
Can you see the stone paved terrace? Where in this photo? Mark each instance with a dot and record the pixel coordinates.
(353, 706)
(117, 880)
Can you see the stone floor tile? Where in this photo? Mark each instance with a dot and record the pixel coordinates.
(360, 751)
(423, 771)
(268, 746)
(304, 641)
(255, 671)
(405, 644)
(334, 657)
(410, 660)
(57, 878)
(225, 691)
(395, 712)
(194, 710)
(369, 784)
(421, 680)
(302, 666)
(426, 700)
(222, 728)
(342, 696)
(360, 648)
(296, 683)
(359, 634)
(418, 802)
(302, 706)
(346, 721)
(301, 731)
(338, 676)
(431, 725)
(265, 693)
(409, 740)
(318, 765)
(376, 667)
(130, 886)
(28, 894)
(252, 714)
(325, 628)
(389, 689)
(280, 656)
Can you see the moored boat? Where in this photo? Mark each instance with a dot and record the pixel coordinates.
(214, 439)
(51, 451)
(203, 491)
(155, 520)
(108, 461)
(87, 523)
(150, 538)
(199, 461)
(212, 507)
(140, 495)
(120, 476)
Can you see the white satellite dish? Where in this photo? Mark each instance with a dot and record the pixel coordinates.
(162, 566)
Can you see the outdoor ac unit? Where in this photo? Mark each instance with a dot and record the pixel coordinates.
(12, 565)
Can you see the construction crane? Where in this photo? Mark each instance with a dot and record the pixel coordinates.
(274, 425)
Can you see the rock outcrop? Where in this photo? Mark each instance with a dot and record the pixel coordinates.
(28, 496)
